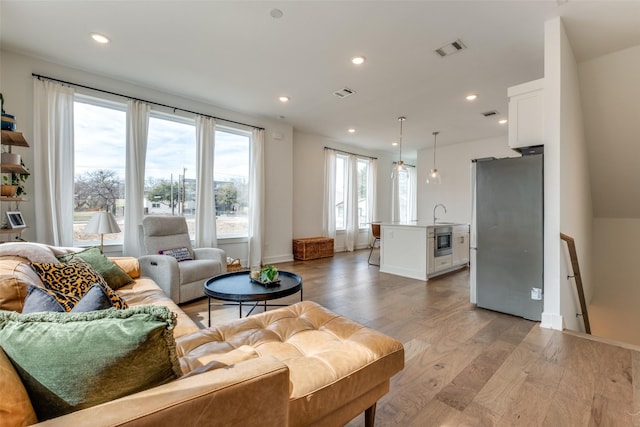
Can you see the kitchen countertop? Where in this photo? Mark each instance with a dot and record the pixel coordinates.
(422, 224)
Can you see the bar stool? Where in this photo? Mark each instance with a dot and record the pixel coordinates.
(375, 232)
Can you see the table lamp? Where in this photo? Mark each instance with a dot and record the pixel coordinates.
(102, 223)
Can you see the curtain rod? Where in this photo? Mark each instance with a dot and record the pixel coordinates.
(40, 77)
(353, 154)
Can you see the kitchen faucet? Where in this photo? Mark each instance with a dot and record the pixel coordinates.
(435, 219)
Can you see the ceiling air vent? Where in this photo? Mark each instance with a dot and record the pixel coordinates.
(344, 92)
(451, 48)
(490, 113)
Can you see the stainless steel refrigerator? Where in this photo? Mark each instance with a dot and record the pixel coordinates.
(507, 235)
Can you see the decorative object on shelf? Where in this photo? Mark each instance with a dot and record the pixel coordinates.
(268, 275)
(102, 223)
(8, 190)
(16, 180)
(434, 176)
(7, 158)
(400, 163)
(15, 219)
(8, 121)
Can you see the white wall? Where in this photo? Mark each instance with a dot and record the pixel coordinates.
(614, 308)
(454, 163)
(308, 186)
(551, 315)
(17, 88)
(609, 85)
(576, 212)
(567, 183)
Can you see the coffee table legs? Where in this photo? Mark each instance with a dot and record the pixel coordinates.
(239, 304)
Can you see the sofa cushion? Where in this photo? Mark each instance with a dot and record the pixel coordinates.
(96, 298)
(128, 264)
(34, 252)
(15, 406)
(39, 300)
(72, 280)
(330, 358)
(192, 271)
(112, 274)
(145, 291)
(15, 277)
(71, 361)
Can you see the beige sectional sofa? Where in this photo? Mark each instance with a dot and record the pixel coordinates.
(295, 366)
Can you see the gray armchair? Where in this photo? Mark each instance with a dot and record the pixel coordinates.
(181, 281)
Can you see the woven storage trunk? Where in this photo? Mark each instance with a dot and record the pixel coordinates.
(312, 248)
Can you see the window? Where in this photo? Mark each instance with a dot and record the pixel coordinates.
(99, 157)
(407, 194)
(342, 173)
(231, 182)
(170, 170)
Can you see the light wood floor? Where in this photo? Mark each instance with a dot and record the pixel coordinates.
(466, 366)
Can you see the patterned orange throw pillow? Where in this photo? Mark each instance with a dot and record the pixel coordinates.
(70, 281)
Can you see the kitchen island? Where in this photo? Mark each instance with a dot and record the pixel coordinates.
(423, 250)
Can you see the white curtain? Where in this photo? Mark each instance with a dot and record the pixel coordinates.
(372, 190)
(351, 202)
(53, 161)
(329, 199)
(205, 204)
(395, 194)
(137, 131)
(412, 191)
(256, 198)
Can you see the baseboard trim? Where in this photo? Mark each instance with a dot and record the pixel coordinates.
(552, 321)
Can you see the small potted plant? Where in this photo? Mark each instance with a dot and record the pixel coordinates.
(7, 189)
(13, 184)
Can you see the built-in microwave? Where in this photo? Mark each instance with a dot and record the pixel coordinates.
(443, 241)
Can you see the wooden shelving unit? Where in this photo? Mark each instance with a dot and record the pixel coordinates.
(12, 139)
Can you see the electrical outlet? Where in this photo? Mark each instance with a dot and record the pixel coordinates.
(536, 294)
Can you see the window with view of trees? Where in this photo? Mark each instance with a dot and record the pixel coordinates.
(99, 152)
(341, 190)
(170, 170)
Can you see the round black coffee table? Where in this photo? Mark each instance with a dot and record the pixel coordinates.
(239, 288)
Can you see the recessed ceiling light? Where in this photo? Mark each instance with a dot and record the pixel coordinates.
(351, 130)
(100, 38)
(358, 60)
(394, 143)
(276, 13)
(502, 121)
(284, 99)
(471, 97)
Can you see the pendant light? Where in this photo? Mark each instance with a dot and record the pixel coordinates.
(400, 163)
(434, 175)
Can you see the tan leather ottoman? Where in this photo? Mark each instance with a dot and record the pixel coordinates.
(337, 367)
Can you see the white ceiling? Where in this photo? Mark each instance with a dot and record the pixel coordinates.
(233, 54)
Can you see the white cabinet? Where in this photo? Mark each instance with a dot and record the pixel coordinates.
(442, 263)
(461, 246)
(526, 125)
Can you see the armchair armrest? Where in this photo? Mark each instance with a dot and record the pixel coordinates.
(163, 270)
(254, 392)
(212, 253)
